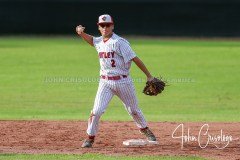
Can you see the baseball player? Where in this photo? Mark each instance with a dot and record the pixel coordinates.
(115, 57)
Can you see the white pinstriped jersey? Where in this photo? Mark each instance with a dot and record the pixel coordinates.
(115, 55)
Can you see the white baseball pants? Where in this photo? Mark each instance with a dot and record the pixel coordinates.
(125, 90)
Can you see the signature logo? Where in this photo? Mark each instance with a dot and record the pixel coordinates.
(204, 137)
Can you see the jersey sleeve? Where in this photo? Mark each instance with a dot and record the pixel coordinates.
(126, 51)
(96, 40)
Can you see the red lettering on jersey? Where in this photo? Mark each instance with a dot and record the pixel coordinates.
(106, 54)
(112, 54)
(101, 54)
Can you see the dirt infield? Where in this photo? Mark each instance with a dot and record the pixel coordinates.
(67, 137)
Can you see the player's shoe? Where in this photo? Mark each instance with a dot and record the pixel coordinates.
(87, 143)
(148, 133)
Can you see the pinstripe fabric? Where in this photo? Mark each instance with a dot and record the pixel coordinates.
(116, 50)
(126, 92)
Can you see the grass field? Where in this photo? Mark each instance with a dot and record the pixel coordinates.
(56, 78)
(89, 157)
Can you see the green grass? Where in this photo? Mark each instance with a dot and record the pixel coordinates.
(203, 76)
(89, 157)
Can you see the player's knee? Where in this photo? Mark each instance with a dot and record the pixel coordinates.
(97, 113)
(133, 111)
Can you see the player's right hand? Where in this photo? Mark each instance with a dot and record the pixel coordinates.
(80, 29)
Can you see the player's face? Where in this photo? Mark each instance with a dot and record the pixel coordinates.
(106, 29)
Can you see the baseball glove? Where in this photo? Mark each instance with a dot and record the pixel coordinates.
(154, 87)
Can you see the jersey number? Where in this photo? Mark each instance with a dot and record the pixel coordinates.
(113, 63)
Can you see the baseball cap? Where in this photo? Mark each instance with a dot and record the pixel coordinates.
(105, 18)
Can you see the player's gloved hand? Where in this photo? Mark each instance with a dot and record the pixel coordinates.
(80, 29)
(154, 87)
(150, 78)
